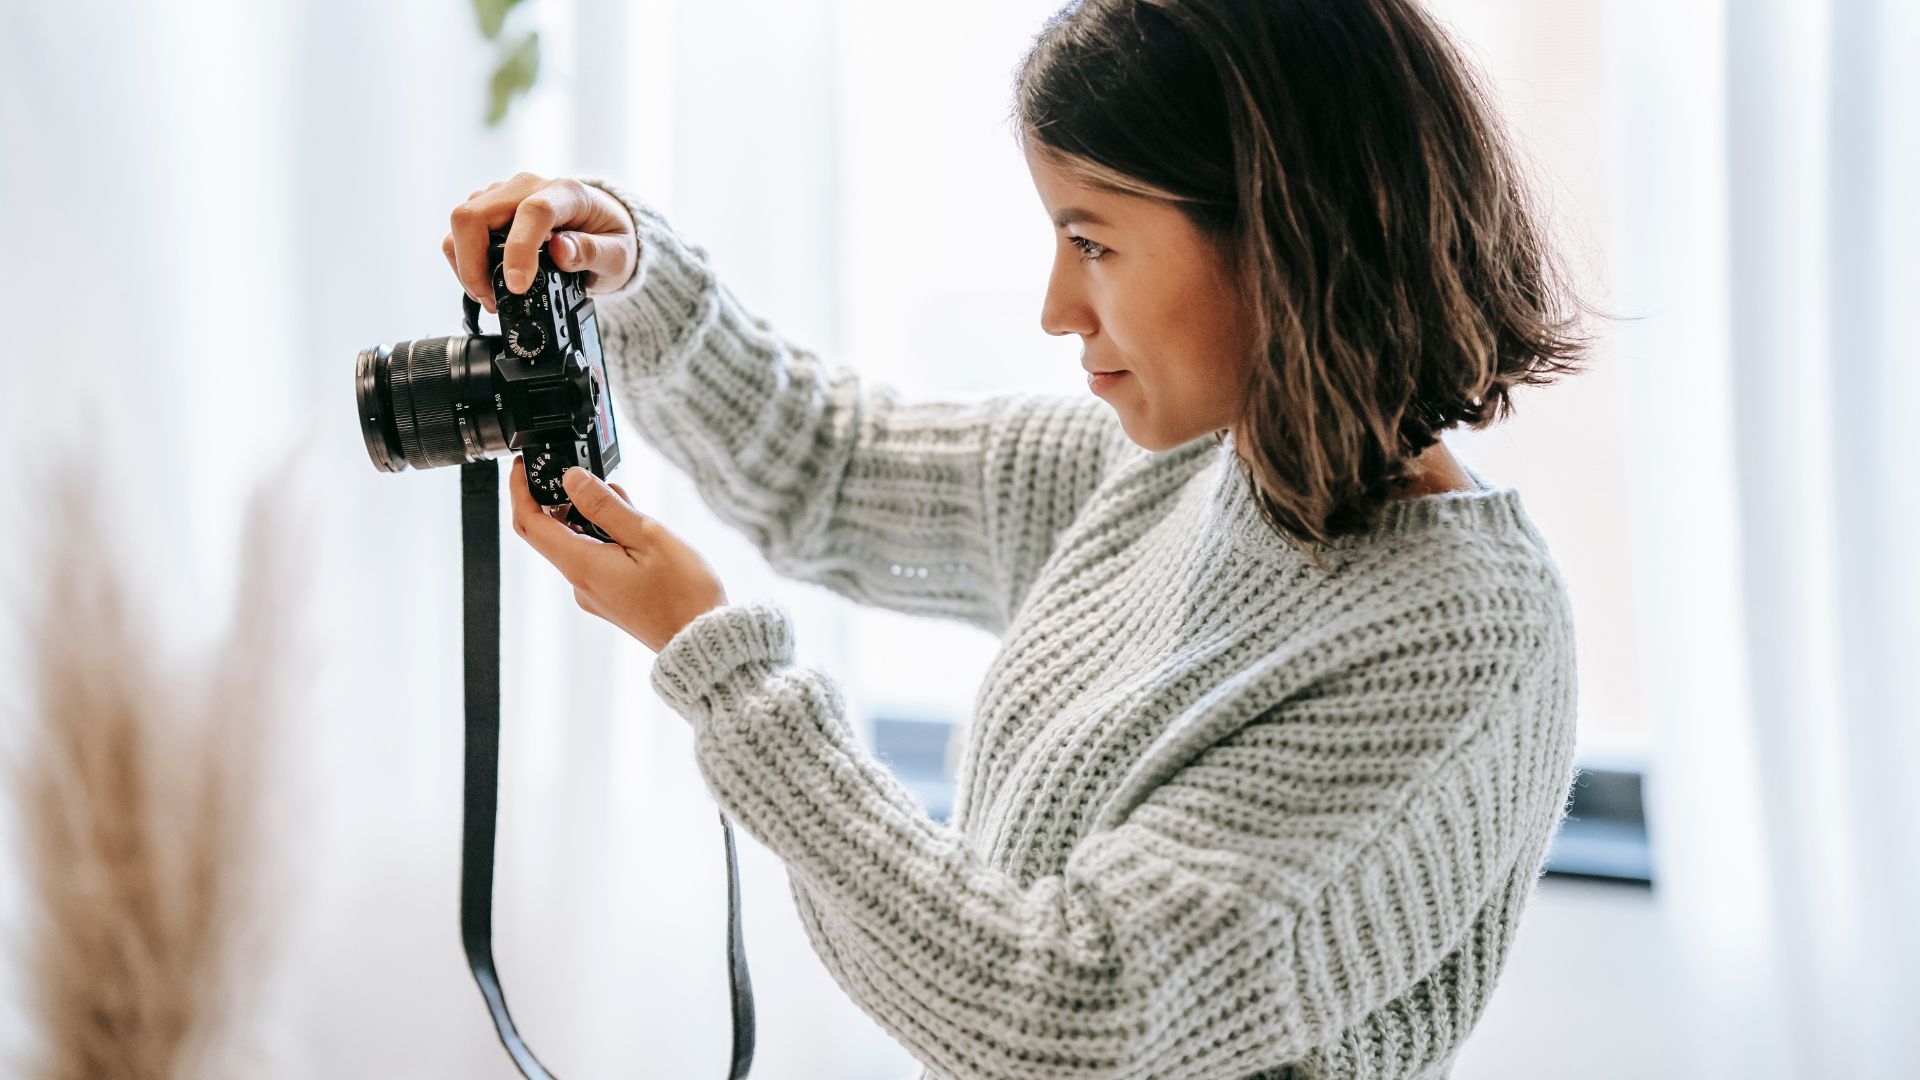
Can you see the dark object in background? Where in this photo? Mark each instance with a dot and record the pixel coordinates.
(916, 748)
(538, 386)
(1604, 835)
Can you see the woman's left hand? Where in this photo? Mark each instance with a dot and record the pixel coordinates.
(647, 583)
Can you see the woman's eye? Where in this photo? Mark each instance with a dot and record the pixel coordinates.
(1089, 251)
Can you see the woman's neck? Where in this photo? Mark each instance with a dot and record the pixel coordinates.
(1435, 470)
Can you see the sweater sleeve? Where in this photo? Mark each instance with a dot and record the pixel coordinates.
(1286, 881)
(935, 508)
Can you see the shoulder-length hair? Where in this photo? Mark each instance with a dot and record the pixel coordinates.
(1348, 163)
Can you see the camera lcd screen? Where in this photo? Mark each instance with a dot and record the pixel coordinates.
(590, 345)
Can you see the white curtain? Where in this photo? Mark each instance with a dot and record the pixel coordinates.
(209, 209)
(1769, 161)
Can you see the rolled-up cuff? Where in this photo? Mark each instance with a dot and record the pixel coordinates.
(719, 654)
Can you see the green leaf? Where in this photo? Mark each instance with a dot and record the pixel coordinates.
(493, 15)
(513, 77)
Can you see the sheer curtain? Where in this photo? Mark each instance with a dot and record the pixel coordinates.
(211, 207)
(1769, 156)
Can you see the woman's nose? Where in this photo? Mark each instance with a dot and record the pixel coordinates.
(1063, 311)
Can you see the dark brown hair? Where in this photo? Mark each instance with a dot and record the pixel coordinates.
(1348, 163)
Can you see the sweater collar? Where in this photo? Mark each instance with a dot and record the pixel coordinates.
(1492, 508)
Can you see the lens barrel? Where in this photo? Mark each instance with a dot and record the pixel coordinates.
(414, 396)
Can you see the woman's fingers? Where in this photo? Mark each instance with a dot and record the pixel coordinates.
(598, 503)
(472, 221)
(567, 550)
(584, 229)
(555, 205)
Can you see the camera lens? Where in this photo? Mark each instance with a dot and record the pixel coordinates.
(422, 403)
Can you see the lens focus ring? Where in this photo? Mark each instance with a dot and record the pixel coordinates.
(429, 432)
(400, 393)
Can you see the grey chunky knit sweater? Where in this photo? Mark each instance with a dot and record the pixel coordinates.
(1220, 813)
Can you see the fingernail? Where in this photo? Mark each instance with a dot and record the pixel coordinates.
(573, 478)
(516, 280)
(567, 251)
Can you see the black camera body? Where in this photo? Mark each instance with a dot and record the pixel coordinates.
(538, 387)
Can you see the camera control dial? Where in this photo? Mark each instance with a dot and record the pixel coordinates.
(526, 339)
(543, 477)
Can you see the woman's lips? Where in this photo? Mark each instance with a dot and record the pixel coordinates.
(1101, 380)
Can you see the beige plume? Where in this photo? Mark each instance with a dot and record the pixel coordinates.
(144, 803)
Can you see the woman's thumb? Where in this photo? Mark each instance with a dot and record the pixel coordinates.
(600, 257)
(566, 250)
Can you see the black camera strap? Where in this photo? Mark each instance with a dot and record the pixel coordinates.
(480, 566)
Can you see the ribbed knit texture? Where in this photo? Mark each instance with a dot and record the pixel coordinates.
(1219, 813)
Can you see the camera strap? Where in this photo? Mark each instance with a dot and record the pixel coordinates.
(480, 573)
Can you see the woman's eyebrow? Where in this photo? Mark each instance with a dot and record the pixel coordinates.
(1073, 213)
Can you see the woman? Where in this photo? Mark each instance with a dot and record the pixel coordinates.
(1282, 722)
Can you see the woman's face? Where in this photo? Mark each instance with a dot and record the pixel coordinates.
(1149, 295)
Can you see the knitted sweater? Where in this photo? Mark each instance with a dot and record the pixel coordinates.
(1220, 813)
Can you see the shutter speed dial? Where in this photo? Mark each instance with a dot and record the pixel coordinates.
(526, 339)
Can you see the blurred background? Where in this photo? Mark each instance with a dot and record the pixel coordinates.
(210, 207)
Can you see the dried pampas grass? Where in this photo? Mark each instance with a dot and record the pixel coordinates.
(142, 794)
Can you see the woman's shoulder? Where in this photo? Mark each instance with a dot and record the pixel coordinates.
(1470, 539)
(1466, 570)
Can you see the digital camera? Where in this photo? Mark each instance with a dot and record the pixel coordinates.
(538, 386)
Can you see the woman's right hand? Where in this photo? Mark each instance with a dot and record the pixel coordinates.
(590, 230)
